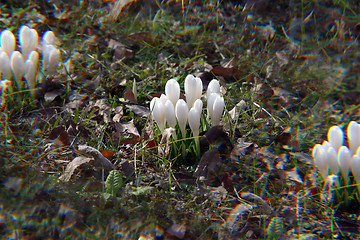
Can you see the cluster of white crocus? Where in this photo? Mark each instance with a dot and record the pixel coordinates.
(169, 108)
(18, 64)
(332, 157)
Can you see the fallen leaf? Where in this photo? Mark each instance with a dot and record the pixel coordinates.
(139, 110)
(119, 113)
(261, 205)
(60, 136)
(99, 160)
(128, 127)
(134, 139)
(129, 95)
(229, 74)
(235, 215)
(71, 167)
(127, 168)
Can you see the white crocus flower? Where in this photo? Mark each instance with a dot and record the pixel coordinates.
(181, 113)
(193, 89)
(353, 135)
(355, 169)
(29, 40)
(158, 113)
(8, 42)
(198, 104)
(34, 58)
(5, 69)
(50, 38)
(194, 121)
(30, 74)
(213, 87)
(217, 111)
(172, 90)
(170, 114)
(344, 160)
(17, 66)
(336, 137)
(320, 161)
(51, 59)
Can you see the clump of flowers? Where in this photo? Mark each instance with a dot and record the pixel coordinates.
(22, 61)
(334, 160)
(170, 110)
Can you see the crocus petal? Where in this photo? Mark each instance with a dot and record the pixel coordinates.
(336, 137)
(218, 109)
(170, 113)
(213, 87)
(8, 42)
(353, 135)
(159, 115)
(198, 104)
(34, 58)
(320, 162)
(181, 112)
(194, 121)
(17, 66)
(50, 38)
(326, 145)
(199, 88)
(190, 86)
(210, 103)
(344, 160)
(52, 61)
(29, 40)
(355, 168)
(5, 66)
(172, 90)
(30, 73)
(332, 160)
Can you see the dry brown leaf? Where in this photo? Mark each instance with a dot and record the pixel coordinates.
(99, 160)
(60, 136)
(139, 110)
(261, 205)
(129, 95)
(104, 109)
(134, 139)
(119, 113)
(71, 167)
(117, 9)
(127, 168)
(229, 74)
(235, 215)
(128, 127)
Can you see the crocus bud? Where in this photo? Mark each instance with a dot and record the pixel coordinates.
(194, 121)
(30, 73)
(8, 42)
(198, 104)
(353, 135)
(336, 137)
(5, 69)
(355, 169)
(50, 38)
(172, 90)
(29, 40)
(218, 108)
(17, 66)
(170, 113)
(181, 112)
(193, 89)
(158, 113)
(332, 160)
(320, 161)
(210, 103)
(344, 160)
(213, 87)
(34, 58)
(51, 56)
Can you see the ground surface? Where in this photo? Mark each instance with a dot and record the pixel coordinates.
(288, 72)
